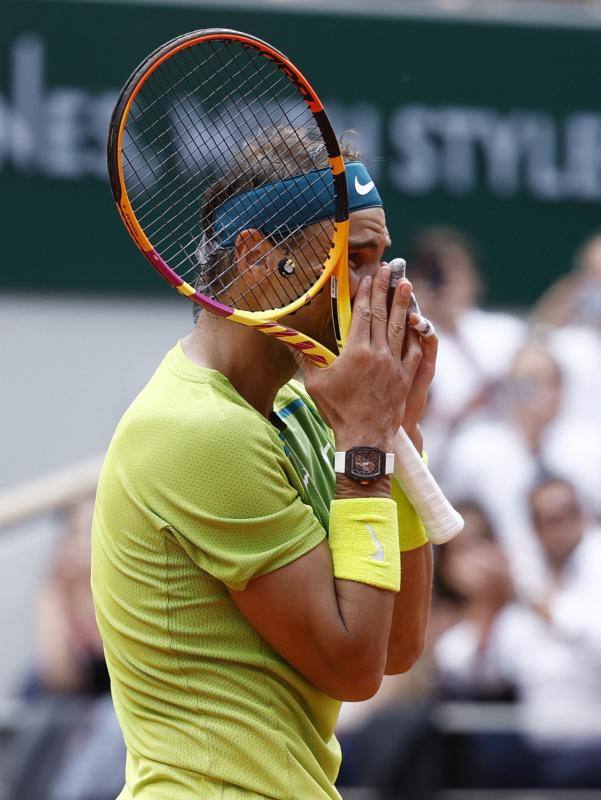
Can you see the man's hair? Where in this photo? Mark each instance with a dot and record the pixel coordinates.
(284, 153)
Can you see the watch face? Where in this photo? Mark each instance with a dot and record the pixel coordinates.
(364, 463)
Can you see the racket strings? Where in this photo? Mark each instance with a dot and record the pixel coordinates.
(134, 140)
(302, 236)
(191, 178)
(292, 242)
(189, 181)
(221, 281)
(298, 168)
(227, 124)
(294, 130)
(277, 239)
(189, 248)
(167, 132)
(156, 100)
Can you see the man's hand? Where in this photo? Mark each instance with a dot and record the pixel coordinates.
(362, 395)
(417, 398)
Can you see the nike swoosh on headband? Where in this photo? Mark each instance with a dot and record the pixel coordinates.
(363, 189)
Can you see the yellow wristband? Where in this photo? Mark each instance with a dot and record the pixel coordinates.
(364, 540)
(412, 533)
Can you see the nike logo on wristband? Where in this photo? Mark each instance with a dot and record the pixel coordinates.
(363, 189)
(379, 554)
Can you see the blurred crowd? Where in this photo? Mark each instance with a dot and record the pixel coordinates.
(513, 432)
(68, 745)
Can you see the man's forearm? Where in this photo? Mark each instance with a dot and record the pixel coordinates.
(365, 610)
(411, 611)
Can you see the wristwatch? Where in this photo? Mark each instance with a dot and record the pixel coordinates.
(364, 464)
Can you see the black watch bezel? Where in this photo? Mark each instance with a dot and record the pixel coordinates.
(374, 455)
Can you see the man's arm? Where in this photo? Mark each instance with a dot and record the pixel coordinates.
(411, 611)
(335, 631)
(412, 604)
(341, 635)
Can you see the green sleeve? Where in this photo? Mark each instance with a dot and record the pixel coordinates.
(232, 507)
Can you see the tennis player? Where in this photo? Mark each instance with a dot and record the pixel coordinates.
(246, 579)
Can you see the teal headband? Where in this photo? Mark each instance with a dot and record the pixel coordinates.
(283, 207)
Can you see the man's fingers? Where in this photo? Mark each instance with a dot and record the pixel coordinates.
(397, 322)
(422, 325)
(379, 308)
(360, 332)
(413, 354)
(429, 339)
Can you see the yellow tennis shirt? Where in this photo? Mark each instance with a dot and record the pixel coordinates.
(199, 492)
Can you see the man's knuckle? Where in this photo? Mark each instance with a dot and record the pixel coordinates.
(365, 313)
(382, 357)
(397, 329)
(379, 313)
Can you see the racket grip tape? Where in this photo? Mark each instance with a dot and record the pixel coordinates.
(441, 521)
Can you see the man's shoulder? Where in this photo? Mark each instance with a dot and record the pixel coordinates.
(185, 416)
(195, 397)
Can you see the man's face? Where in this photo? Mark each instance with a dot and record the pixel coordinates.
(368, 240)
(558, 520)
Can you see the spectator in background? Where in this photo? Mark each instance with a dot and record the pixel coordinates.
(575, 299)
(549, 650)
(472, 584)
(569, 315)
(497, 459)
(69, 651)
(475, 346)
(72, 735)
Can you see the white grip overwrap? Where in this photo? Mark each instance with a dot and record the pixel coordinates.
(441, 521)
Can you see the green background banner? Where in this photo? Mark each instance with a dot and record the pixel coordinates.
(493, 128)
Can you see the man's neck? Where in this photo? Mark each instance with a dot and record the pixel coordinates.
(256, 365)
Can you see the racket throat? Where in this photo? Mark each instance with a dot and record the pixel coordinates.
(341, 300)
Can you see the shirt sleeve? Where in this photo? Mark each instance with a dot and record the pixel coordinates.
(231, 505)
(575, 617)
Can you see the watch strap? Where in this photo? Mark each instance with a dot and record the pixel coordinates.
(340, 462)
(389, 463)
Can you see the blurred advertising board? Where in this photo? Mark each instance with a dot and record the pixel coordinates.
(494, 128)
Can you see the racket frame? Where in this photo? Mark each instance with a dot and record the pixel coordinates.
(266, 321)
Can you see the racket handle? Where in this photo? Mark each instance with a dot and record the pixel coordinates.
(441, 521)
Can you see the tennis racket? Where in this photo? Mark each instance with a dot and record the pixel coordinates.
(217, 140)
